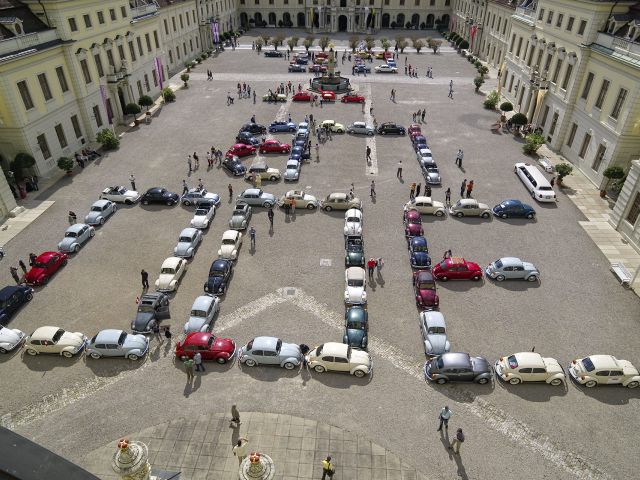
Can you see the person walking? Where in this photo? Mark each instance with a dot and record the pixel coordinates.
(145, 279)
(167, 333)
(552, 181)
(270, 215)
(197, 359)
(72, 217)
(230, 191)
(235, 416)
(189, 163)
(399, 171)
(240, 449)
(14, 274)
(424, 111)
(196, 161)
(252, 235)
(459, 157)
(451, 89)
(371, 265)
(132, 180)
(412, 191)
(368, 153)
(379, 265)
(463, 186)
(427, 190)
(32, 259)
(418, 187)
(200, 184)
(393, 95)
(327, 468)
(447, 196)
(188, 368)
(469, 188)
(185, 187)
(22, 266)
(457, 441)
(444, 415)
(156, 332)
(372, 189)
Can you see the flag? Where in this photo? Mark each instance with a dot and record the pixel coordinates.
(472, 31)
(105, 96)
(159, 70)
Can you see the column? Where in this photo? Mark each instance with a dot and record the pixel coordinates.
(532, 107)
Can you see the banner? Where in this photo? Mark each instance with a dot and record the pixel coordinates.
(474, 29)
(215, 31)
(159, 71)
(105, 96)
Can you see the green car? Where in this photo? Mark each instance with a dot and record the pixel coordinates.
(354, 257)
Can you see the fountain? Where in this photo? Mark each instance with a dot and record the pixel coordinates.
(257, 466)
(131, 461)
(331, 79)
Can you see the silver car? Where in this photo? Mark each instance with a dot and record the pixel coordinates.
(240, 217)
(188, 241)
(512, 268)
(292, 172)
(194, 196)
(204, 309)
(270, 351)
(118, 343)
(434, 333)
(256, 197)
(360, 128)
(431, 174)
(100, 211)
(75, 236)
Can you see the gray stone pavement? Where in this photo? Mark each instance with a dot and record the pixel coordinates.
(201, 449)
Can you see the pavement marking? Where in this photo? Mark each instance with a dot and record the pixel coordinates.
(372, 168)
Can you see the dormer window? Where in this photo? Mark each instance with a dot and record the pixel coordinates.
(13, 24)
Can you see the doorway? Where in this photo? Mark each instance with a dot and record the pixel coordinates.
(342, 23)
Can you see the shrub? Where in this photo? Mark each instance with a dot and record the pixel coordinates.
(353, 43)
(185, 78)
(483, 70)
(370, 42)
(533, 142)
(402, 44)
(470, 57)
(519, 119)
(21, 162)
(308, 42)
(108, 139)
(385, 43)
(478, 81)
(323, 43)
(434, 44)
(563, 169)
(65, 164)
(168, 95)
(477, 63)
(506, 107)
(492, 100)
(418, 44)
(613, 173)
(131, 109)
(292, 43)
(463, 45)
(145, 101)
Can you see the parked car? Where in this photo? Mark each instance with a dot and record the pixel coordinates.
(303, 129)
(152, 309)
(273, 53)
(354, 256)
(327, 95)
(424, 289)
(510, 268)
(118, 343)
(604, 369)
(299, 153)
(10, 339)
(457, 367)
(338, 357)
(274, 146)
(434, 333)
(362, 68)
(12, 298)
(514, 209)
(240, 217)
(457, 268)
(413, 128)
(247, 138)
(282, 127)
(44, 267)
(352, 98)
(355, 286)
(333, 126)
(419, 253)
(220, 273)
(340, 201)
(203, 311)
(234, 166)
(426, 206)
(262, 170)
(231, 241)
(208, 345)
(256, 197)
(529, 367)
(302, 199)
(274, 97)
(100, 211)
(431, 174)
(295, 67)
(419, 142)
(360, 128)
(203, 216)
(353, 222)
(253, 128)
(470, 207)
(120, 194)
(241, 150)
(302, 97)
(270, 351)
(412, 224)
(425, 157)
(389, 128)
(384, 68)
(188, 242)
(76, 236)
(159, 195)
(172, 270)
(356, 327)
(292, 170)
(55, 340)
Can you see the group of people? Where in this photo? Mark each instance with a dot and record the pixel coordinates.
(419, 115)
(414, 190)
(14, 270)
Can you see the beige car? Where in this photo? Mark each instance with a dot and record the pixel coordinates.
(426, 206)
(340, 201)
(470, 207)
(529, 367)
(302, 199)
(333, 126)
(55, 340)
(339, 357)
(171, 272)
(262, 170)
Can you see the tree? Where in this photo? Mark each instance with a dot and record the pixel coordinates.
(353, 43)
(65, 164)
(478, 81)
(323, 43)
(533, 142)
(185, 78)
(308, 42)
(434, 44)
(266, 39)
(145, 101)
(563, 170)
(131, 109)
(519, 119)
(463, 45)
(611, 173)
(168, 94)
(506, 107)
(492, 100)
(385, 44)
(108, 139)
(370, 42)
(402, 44)
(293, 43)
(417, 44)
(21, 162)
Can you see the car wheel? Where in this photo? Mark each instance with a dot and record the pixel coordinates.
(311, 206)
(459, 214)
(273, 178)
(92, 233)
(483, 381)
(145, 202)
(221, 360)
(633, 384)
(339, 131)
(319, 369)
(531, 216)
(67, 354)
(267, 205)
(500, 278)
(591, 384)
(64, 262)
(289, 366)
(101, 221)
(359, 373)
(513, 381)
(533, 195)
(444, 279)
(370, 134)
(44, 281)
(441, 381)
(504, 215)
(327, 208)
(29, 296)
(476, 278)
(186, 203)
(95, 355)
(383, 132)
(485, 215)
(555, 382)
(439, 213)
(76, 248)
(31, 351)
(250, 363)
(128, 202)
(3, 350)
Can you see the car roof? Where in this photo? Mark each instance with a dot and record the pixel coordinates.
(76, 227)
(101, 203)
(202, 302)
(423, 199)
(604, 361)
(109, 335)
(511, 261)
(433, 318)
(155, 189)
(418, 240)
(456, 261)
(338, 195)
(153, 296)
(171, 262)
(359, 124)
(456, 359)
(252, 191)
(355, 272)
(44, 333)
(353, 211)
(356, 312)
(468, 201)
(335, 348)
(265, 342)
(197, 338)
(512, 201)
(188, 231)
(258, 165)
(9, 290)
(230, 234)
(529, 359)
(424, 275)
(47, 255)
(220, 262)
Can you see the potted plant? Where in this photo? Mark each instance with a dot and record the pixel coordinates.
(185, 78)
(533, 142)
(65, 164)
(519, 119)
(563, 169)
(108, 139)
(478, 81)
(506, 106)
(168, 95)
(132, 109)
(21, 162)
(145, 101)
(492, 100)
(611, 173)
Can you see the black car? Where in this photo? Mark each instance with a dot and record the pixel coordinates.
(160, 195)
(11, 299)
(247, 138)
(294, 67)
(273, 53)
(253, 128)
(354, 256)
(356, 327)
(391, 128)
(458, 367)
(152, 308)
(233, 166)
(219, 274)
(362, 69)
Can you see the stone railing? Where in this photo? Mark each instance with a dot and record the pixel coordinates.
(619, 44)
(22, 42)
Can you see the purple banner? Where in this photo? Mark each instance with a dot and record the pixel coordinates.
(103, 94)
(159, 71)
(216, 32)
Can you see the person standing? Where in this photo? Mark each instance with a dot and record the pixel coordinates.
(368, 153)
(552, 181)
(424, 111)
(167, 333)
(22, 266)
(230, 192)
(132, 180)
(185, 187)
(427, 190)
(145, 279)
(418, 187)
(327, 468)
(32, 259)
(188, 368)
(156, 332)
(200, 184)
(196, 160)
(34, 182)
(235, 416)
(240, 449)
(197, 359)
(399, 171)
(270, 215)
(292, 202)
(189, 163)
(469, 188)
(371, 265)
(445, 415)
(72, 217)
(457, 441)
(412, 191)
(14, 274)
(463, 186)
(379, 265)
(252, 235)
(459, 157)
(447, 196)
(372, 191)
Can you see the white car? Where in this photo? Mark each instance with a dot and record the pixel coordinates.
(353, 222)
(384, 68)
(333, 126)
(188, 242)
(355, 286)
(529, 367)
(204, 309)
(55, 340)
(172, 270)
(434, 333)
(120, 194)
(100, 211)
(231, 241)
(426, 206)
(303, 127)
(292, 170)
(10, 338)
(302, 199)
(604, 369)
(203, 216)
(339, 357)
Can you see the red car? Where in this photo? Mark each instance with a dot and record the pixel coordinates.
(302, 97)
(424, 287)
(413, 135)
(352, 98)
(317, 68)
(322, 55)
(241, 150)
(414, 127)
(327, 96)
(457, 268)
(274, 146)
(210, 347)
(44, 266)
(412, 224)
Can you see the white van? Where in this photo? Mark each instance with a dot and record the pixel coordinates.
(535, 181)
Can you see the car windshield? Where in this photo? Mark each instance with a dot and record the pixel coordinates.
(70, 234)
(437, 330)
(228, 241)
(588, 364)
(145, 309)
(319, 350)
(123, 337)
(211, 340)
(420, 248)
(201, 212)
(354, 247)
(96, 209)
(185, 240)
(355, 282)
(198, 313)
(355, 325)
(168, 270)
(498, 263)
(439, 363)
(353, 220)
(443, 265)
(513, 363)
(58, 335)
(546, 188)
(216, 273)
(427, 285)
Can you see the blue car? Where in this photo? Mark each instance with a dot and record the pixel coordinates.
(297, 67)
(282, 127)
(299, 153)
(11, 299)
(362, 69)
(514, 209)
(233, 166)
(419, 253)
(419, 139)
(302, 61)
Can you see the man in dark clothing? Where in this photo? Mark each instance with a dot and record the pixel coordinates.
(368, 153)
(270, 215)
(145, 279)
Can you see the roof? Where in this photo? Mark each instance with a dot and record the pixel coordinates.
(434, 319)
(101, 203)
(424, 275)
(530, 359)
(76, 227)
(110, 335)
(268, 343)
(334, 348)
(422, 199)
(202, 302)
(511, 261)
(253, 191)
(197, 338)
(188, 231)
(171, 262)
(456, 359)
(9, 290)
(44, 333)
(355, 272)
(13, 9)
(338, 195)
(230, 234)
(46, 255)
(604, 361)
(153, 296)
(419, 240)
(468, 201)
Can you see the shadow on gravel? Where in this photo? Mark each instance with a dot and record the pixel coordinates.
(534, 392)
(516, 285)
(48, 362)
(611, 395)
(268, 373)
(110, 367)
(340, 380)
(462, 392)
(460, 285)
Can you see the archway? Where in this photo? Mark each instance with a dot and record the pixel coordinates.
(370, 20)
(286, 19)
(342, 23)
(258, 18)
(316, 18)
(272, 18)
(430, 19)
(302, 21)
(386, 20)
(400, 20)
(415, 20)
(444, 21)
(244, 20)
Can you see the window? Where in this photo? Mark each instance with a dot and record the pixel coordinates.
(191, 45)
(402, 3)
(110, 58)
(166, 27)
(597, 160)
(554, 122)
(572, 134)
(140, 51)
(544, 116)
(511, 83)
(76, 126)
(582, 27)
(587, 86)
(567, 76)
(184, 48)
(132, 52)
(570, 23)
(148, 40)
(634, 211)
(447, 3)
(530, 59)
(26, 96)
(550, 17)
(541, 14)
(96, 114)
(44, 86)
(170, 56)
(112, 14)
(121, 53)
(101, 18)
(154, 74)
(146, 82)
(44, 146)
(559, 20)
(178, 52)
(547, 63)
(622, 96)
(64, 86)
(603, 93)
(123, 11)
(61, 136)
(155, 39)
(73, 25)
(173, 21)
(585, 144)
(519, 47)
(186, 16)
(557, 71)
(181, 22)
(87, 20)
(139, 84)
(85, 71)
(98, 61)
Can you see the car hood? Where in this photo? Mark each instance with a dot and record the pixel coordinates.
(33, 274)
(480, 365)
(428, 295)
(10, 336)
(360, 357)
(92, 216)
(355, 337)
(214, 283)
(183, 247)
(227, 250)
(71, 339)
(356, 294)
(141, 322)
(133, 342)
(290, 350)
(194, 324)
(67, 242)
(238, 221)
(439, 344)
(165, 279)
